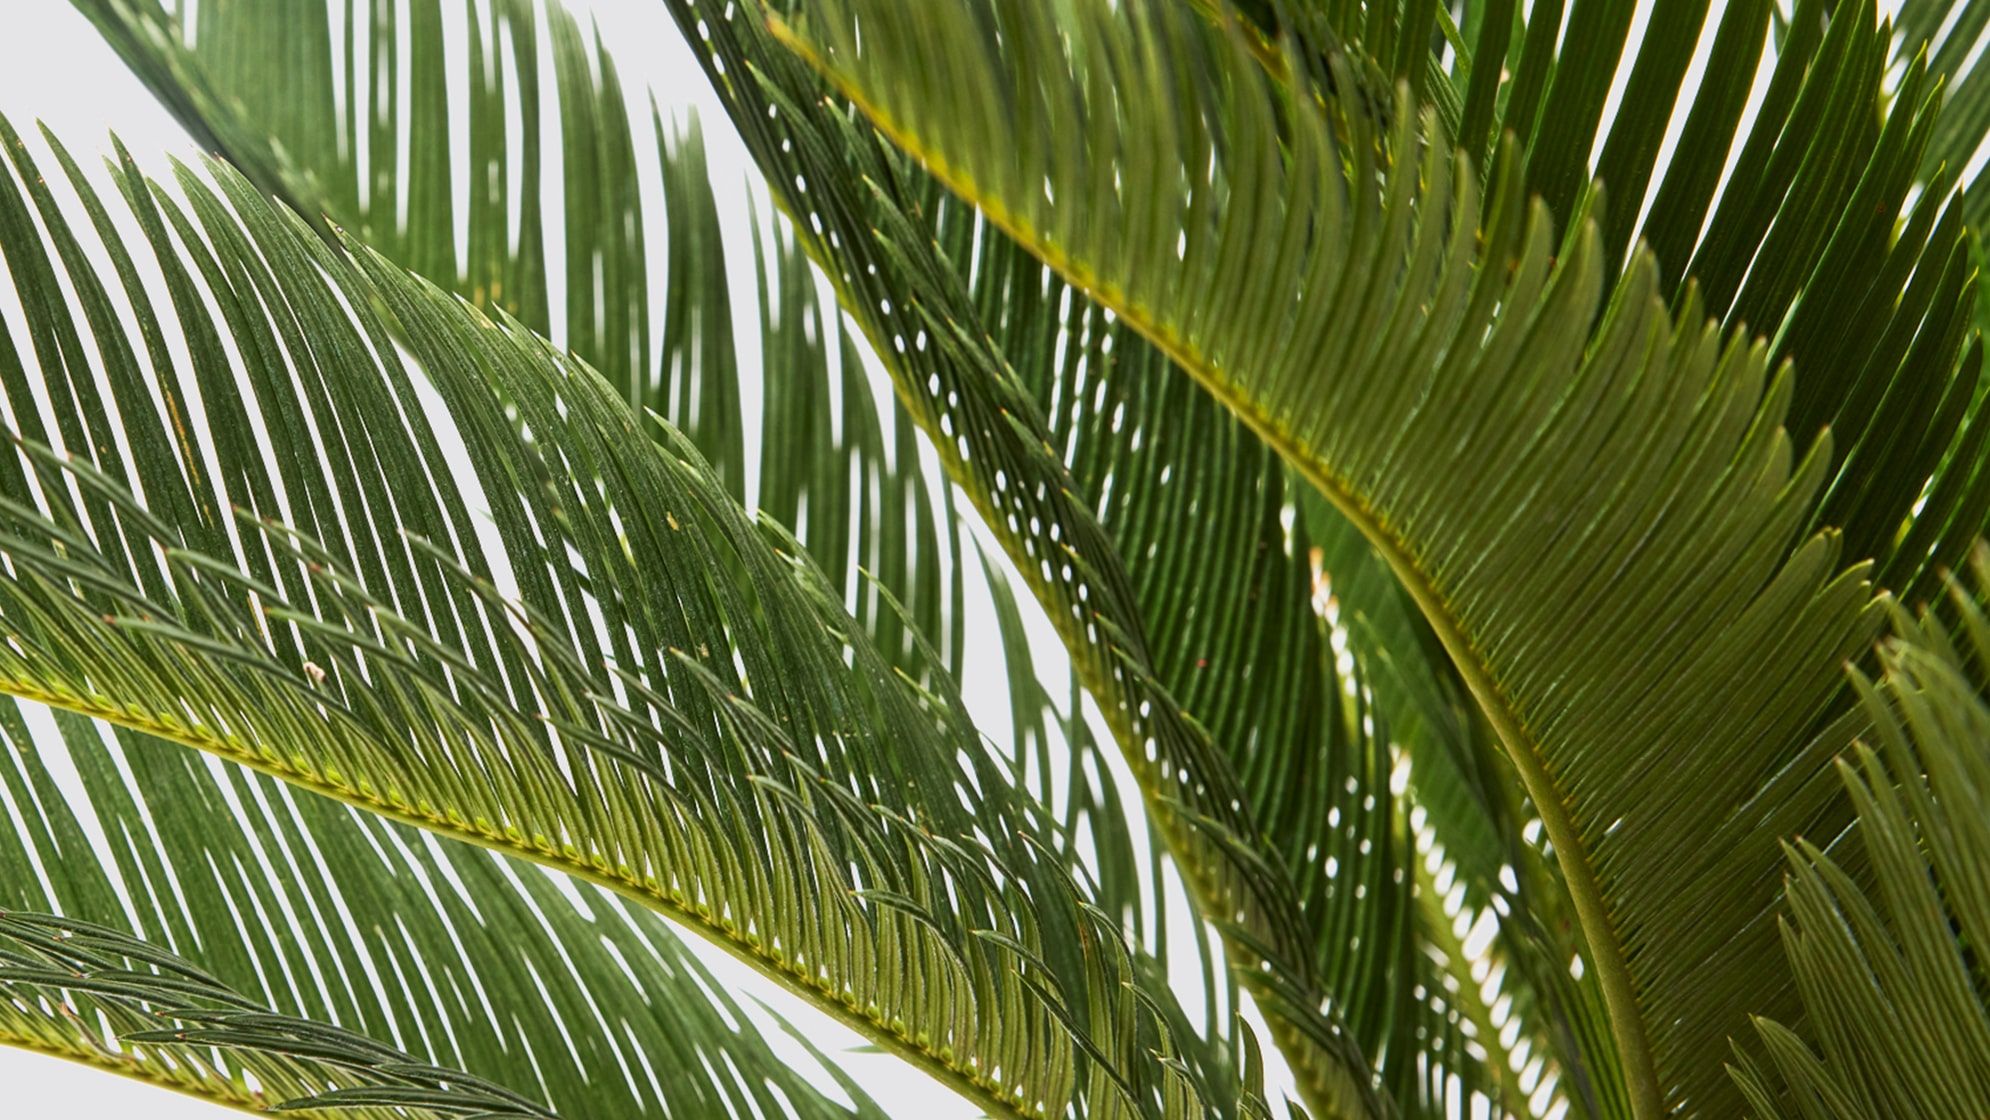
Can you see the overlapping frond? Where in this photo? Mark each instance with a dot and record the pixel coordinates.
(670, 703)
(1262, 726)
(98, 996)
(1895, 994)
(1549, 472)
(1225, 581)
(1468, 810)
(850, 484)
(1237, 669)
(873, 228)
(315, 910)
(599, 245)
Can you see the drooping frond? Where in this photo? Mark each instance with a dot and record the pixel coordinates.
(1896, 996)
(448, 952)
(873, 231)
(1549, 472)
(851, 485)
(98, 996)
(615, 674)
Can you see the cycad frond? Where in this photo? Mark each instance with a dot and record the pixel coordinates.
(1227, 590)
(1548, 473)
(446, 950)
(1814, 237)
(600, 247)
(673, 706)
(1895, 993)
(98, 996)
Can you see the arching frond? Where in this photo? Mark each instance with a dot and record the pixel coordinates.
(487, 228)
(850, 484)
(671, 703)
(1472, 398)
(1824, 215)
(97, 996)
(315, 910)
(1225, 582)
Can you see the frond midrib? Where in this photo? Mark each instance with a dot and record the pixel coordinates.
(966, 1081)
(1592, 908)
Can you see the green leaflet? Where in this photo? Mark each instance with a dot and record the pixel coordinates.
(1896, 1000)
(1543, 488)
(1948, 32)
(97, 996)
(671, 703)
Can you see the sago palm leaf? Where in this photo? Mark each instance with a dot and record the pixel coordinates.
(671, 703)
(832, 464)
(1463, 403)
(1227, 592)
(346, 160)
(958, 380)
(444, 950)
(98, 996)
(1896, 999)
(808, 476)
(205, 853)
(1812, 236)
(207, 842)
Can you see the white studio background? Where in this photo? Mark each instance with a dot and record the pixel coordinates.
(54, 68)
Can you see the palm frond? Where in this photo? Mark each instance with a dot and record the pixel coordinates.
(1227, 591)
(874, 229)
(443, 950)
(671, 703)
(1473, 398)
(98, 996)
(1896, 999)
(1469, 812)
(1838, 233)
(852, 486)
(337, 153)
